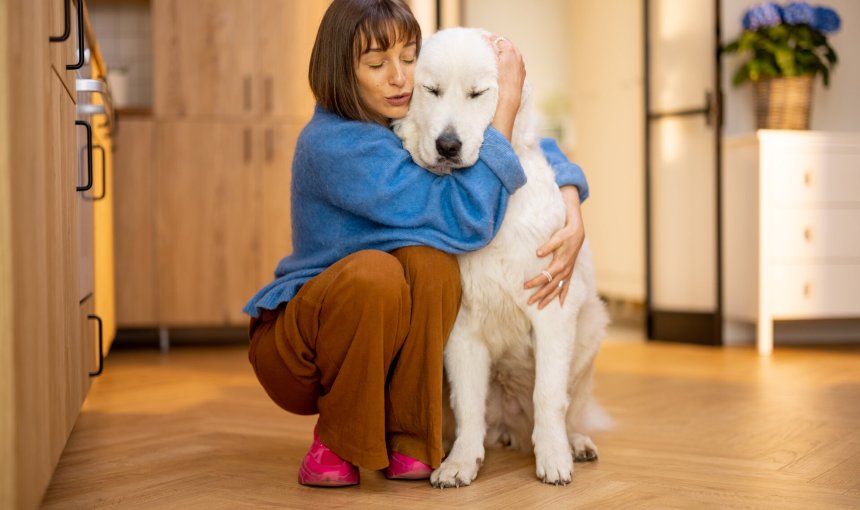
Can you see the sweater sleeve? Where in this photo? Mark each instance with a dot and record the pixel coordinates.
(365, 171)
(566, 173)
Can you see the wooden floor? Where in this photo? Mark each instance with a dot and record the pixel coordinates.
(696, 428)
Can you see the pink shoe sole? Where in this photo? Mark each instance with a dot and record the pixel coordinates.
(332, 479)
(403, 467)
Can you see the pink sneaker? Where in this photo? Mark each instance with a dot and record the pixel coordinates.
(403, 467)
(322, 467)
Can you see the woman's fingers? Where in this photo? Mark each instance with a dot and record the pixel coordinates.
(550, 290)
(553, 244)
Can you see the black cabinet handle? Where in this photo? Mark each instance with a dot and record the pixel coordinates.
(104, 175)
(101, 354)
(80, 62)
(90, 152)
(68, 29)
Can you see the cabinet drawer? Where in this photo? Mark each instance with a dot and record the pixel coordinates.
(823, 291)
(812, 176)
(812, 233)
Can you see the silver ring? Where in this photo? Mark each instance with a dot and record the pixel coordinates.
(560, 284)
(548, 276)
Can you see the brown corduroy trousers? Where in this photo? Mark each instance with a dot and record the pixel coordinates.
(361, 344)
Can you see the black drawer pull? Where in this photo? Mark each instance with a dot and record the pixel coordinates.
(68, 26)
(101, 342)
(104, 175)
(90, 152)
(80, 62)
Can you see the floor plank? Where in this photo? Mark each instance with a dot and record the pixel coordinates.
(695, 427)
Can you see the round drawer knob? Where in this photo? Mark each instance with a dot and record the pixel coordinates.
(807, 289)
(807, 234)
(807, 178)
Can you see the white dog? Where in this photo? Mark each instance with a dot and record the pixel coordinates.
(514, 371)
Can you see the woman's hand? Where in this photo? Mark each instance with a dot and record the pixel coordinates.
(512, 75)
(564, 246)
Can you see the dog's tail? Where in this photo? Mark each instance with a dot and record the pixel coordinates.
(595, 419)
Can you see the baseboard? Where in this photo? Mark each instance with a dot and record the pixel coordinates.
(684, 327)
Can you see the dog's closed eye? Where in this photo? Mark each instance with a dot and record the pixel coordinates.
(477, 93)
(432, 90)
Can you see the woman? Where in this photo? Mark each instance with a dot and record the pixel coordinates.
(354, 325)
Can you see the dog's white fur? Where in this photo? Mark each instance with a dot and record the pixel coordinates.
(517, 375)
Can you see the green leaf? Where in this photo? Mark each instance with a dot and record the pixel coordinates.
(785, 60)
(830, 54)
(741, 75)
(731, 47)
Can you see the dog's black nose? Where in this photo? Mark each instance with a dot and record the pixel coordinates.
(448, 144)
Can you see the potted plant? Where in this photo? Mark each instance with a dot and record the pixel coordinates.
(787, 46)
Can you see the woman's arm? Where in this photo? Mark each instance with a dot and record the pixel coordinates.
(566, 173)
(565, 244)
(364, 170)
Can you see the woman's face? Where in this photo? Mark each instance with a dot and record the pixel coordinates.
(385, 78)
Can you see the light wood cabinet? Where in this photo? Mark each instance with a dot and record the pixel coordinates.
(215, 58)
(285, 33)
(66, 52)
(279, 144)
(792, 228)
(101, 196)
(202, 225)
(47, 342)
(207, 178)
(197, 59)
(134, 224)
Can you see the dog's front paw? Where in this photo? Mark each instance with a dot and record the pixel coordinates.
(455, 472)
(584, 449)
(554, 467)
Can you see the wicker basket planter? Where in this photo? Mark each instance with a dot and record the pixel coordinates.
(783, 103)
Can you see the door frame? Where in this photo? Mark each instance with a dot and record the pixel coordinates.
(680, 326)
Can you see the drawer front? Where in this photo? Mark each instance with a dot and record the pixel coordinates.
(815, 291)
(813, 176)
(814, 233)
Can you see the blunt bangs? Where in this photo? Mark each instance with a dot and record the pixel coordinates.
(385, 25)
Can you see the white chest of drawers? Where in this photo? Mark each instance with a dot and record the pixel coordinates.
(791, 221)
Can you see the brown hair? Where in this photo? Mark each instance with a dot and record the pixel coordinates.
(347, 30)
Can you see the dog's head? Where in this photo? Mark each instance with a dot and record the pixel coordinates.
(454, 100)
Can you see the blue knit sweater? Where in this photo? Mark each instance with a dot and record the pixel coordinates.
(356, 188)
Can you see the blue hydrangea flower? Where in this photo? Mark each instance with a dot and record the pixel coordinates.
(798, 13)
(762, 15)
(826, 20)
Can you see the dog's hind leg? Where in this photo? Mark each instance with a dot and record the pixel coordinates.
(584, 414)
(553, 329)
(467, 364)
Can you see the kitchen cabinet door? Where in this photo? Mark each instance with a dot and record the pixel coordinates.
(286, 30)
(134, 224)
(201, 60)
(279, 143)
(207, 184)
(102, 197)
(63, 53)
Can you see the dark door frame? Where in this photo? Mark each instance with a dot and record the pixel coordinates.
(679, 326)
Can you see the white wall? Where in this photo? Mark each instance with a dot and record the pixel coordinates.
(836, 108)
(606, 92)
(584, 61)
(540, 31)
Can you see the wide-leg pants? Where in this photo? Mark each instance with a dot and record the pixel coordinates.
(361, 344)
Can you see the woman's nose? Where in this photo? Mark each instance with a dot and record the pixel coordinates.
(398, 77)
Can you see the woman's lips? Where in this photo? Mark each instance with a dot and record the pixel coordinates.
(400, 100)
